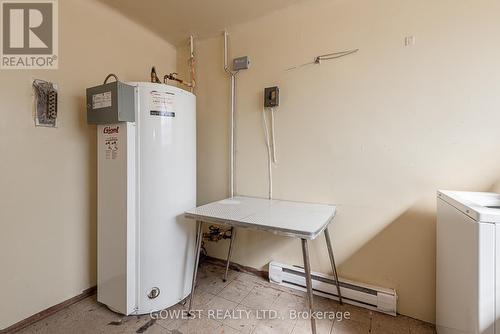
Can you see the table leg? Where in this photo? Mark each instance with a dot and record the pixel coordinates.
(233, 235)
(332, 261)
(199, 237)
(307, 269)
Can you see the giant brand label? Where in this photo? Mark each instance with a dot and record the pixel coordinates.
(110, 129)
(111, 141)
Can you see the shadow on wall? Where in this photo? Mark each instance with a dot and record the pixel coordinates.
(494, 188)
(395, 246)
(90, 132)
(408, 242)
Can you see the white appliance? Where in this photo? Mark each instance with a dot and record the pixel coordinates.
(146, 180)
(468, 263)
(359, 294)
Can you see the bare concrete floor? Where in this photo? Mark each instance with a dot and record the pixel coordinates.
(235, 306)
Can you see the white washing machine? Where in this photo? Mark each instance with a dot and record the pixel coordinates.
(468, 263)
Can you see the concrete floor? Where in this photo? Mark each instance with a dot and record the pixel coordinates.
(243, 294)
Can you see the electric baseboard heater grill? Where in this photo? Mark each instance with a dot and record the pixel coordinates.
(359, 294)
(146, 179)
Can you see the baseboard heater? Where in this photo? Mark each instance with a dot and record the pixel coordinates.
(359, 294)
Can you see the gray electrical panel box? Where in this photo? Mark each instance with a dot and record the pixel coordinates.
(111, 103)
(241, 63)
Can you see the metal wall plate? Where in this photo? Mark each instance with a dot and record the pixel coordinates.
(241, 63)
(271, 97)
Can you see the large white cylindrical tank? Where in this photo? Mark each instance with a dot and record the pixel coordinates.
(146, 180)
(166, 126)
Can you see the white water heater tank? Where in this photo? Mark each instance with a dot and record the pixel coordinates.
(146, 180)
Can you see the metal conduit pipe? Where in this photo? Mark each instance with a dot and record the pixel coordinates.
(232, 145)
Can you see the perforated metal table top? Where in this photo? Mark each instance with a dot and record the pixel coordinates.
(295, 219)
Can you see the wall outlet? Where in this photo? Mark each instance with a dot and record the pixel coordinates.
(409, 40)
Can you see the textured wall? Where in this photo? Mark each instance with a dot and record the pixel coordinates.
(48, 176)
(376, 133)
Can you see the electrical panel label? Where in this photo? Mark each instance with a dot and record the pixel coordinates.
(162, 104)
(102, 100)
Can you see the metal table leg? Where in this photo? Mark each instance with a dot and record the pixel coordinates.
(332, 260)
(196, 261)
(233, 235)
(307, 268)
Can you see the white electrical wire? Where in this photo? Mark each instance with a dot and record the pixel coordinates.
(269, 158)
(273, 137)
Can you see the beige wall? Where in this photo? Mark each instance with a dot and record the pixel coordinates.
(376, 133)
(48, 176)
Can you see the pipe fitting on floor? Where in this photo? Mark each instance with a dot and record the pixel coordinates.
(216, 233)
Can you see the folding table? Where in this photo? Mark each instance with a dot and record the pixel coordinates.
(304, 221)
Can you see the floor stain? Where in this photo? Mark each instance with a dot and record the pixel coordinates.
(120, 322)
(145, 327)
(145, 324)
